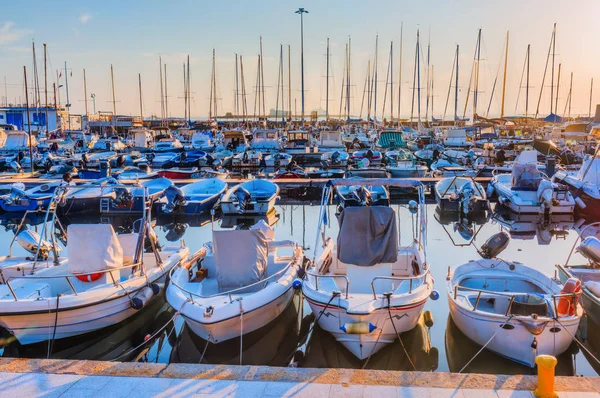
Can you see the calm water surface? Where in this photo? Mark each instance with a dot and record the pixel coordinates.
(442, 347)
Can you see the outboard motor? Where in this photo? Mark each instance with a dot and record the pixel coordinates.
(215, 164)
(15, 166)
(30, 240)
(362, 196)
(244, 199)
(494, 245)
(175, 199)
(17, 191)
(335, 157)
(123, 195)
(590, 249)
(465, 195)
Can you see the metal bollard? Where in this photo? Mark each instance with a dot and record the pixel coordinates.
(546, 365)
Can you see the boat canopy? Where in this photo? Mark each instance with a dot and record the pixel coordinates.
(245, 265)
(368, 236)
(590, 170)
(391, 139)
(93, 247)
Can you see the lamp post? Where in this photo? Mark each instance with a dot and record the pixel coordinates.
(302, 11)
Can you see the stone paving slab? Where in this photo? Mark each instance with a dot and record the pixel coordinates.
(41, 377)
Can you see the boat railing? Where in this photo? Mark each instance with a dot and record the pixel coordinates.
(512, 297)
(334, 277)
(228, 293)
(72, 287)
(422, 276)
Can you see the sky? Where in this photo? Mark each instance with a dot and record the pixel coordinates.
(131, 35)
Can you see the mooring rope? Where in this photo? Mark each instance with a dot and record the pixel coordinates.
(485, 345)
(398, 335)
(578, 342)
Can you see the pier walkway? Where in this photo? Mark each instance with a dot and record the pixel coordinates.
(71, 378)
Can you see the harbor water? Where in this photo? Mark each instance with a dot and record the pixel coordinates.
(156, 334)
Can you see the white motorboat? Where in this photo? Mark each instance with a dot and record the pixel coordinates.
(201, 196)
(365, 288)
(527, 191)
(461, 194)
(512, 309)
(105, 279)
(250, 197)
(242, 283)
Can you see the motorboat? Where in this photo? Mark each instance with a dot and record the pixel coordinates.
(108, 196)
(362, 195)
(243, 282)
(252, 158)
(180, 173)
(297, 142)
(363, 287)
(337, 158)
(202, 140)
(105, 279)
(584, 186)
(142, 139)
(391, 139)
(168, 145)
(373, 157)
(456, 138)
(200, 196)
(330, 141)
(461, 194)
(587, 271)
(133, 173)
(250, 197)
(527, 191)
(512, 309)
(403, 164)
(166, 159)
(37, 198)
(234, 141)
(266, 141)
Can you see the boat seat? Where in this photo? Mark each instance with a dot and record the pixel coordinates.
(361, 277)
(30, 291)
(128, 243)
(403, 266)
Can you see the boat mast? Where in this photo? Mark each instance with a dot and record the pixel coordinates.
(362, 102)
(279, 78)
(552, 79)
(537, 110)
(112, 80)
(368, 85)
(391, 83)
(476, 85)
(46, 88)
(290, 81)
(162, 92)
(527, 83)
(141, 103)
(68, 104)
(427, 77)
(471, 77)
(456, 87)
(412, 107)
(262, 79)
(244, 105)
(345, 74)
(400, 72)
(256, 90)
(327, 83)
(557, 90)
(166, 99)
(432, 70)
(570, 93)
(28, 118)
(375, 67)
(418, 82)
(185, 94)
(189, 91)
(237, 93)
(504, 79)
(348, 78)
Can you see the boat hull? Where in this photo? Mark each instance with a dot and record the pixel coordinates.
(363, 345)
(513, 341)
(251, 320)
(260, 207)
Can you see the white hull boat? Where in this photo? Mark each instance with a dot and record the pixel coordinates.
(250, 197)
(239, 291)
(461, 194)
(512, 309)
(365, 298)
(83, 295)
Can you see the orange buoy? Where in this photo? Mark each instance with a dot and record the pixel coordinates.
(90, 277)
(568, 305)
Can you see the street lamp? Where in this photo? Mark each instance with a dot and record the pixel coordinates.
(94, 99)
(302, 11)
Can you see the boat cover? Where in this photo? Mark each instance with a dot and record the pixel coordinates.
(93, 248)
(240, 257)
(526, 176)
(368, 236)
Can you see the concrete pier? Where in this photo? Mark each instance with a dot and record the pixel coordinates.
(70, 378)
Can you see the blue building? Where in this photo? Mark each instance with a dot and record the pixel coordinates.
(17, 116)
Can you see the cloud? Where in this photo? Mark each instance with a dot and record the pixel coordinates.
(83, 18)
(9, 34)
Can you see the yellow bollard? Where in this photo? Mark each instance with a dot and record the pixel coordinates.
(546, 365)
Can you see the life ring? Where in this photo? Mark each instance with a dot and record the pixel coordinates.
(90, 277)
(567, 306)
